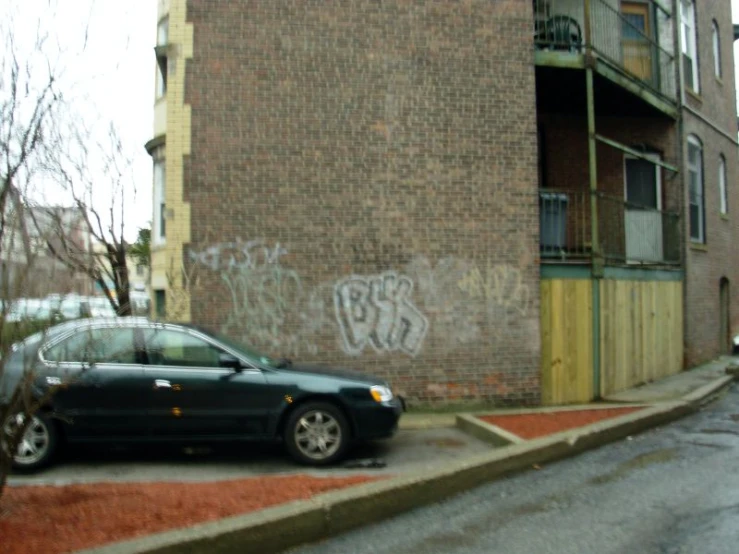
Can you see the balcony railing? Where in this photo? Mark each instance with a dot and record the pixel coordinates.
(635, 37)
(628, 233)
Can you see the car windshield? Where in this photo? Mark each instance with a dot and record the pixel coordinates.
(246, 350)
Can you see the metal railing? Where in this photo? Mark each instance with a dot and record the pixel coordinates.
(628, 233)
(638, 42)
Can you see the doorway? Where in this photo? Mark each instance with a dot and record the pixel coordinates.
(636, 32)
(642, 212)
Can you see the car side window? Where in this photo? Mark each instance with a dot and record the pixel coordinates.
(108, 345)
(167, 347)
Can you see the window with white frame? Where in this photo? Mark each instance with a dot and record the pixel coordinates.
(722, 186)
(716, 38)
(161, 53)
(689, 45)
(160, 179)
(695, 190)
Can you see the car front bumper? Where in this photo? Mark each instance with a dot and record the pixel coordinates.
(379, 420)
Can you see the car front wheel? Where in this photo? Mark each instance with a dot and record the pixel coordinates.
(317, 433)
(38, 444)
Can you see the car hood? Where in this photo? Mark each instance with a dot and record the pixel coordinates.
(347, 374)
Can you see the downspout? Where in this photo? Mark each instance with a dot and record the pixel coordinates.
(596, 257)
(680, 97)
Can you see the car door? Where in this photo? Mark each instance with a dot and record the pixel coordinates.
(104, 393)
(194, 395)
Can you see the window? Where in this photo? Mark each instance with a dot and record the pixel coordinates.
(689, 49)
(161, 53)
(722, 182)
(140, 270)
(160, 303)
(716, 37)
(111, 346)
(695, 190)
(165, 347)
(160, 206)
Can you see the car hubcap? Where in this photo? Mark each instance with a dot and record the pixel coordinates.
(318, 435)
(34, 443)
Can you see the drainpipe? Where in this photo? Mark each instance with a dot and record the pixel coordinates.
(680, 97)
(596, 258)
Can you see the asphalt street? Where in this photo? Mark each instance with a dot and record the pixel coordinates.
(671, 490)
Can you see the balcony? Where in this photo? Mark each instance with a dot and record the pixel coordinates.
(628, 233)
(629, 44)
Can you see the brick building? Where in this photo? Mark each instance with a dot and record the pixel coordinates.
(363, 184)
(709, 141)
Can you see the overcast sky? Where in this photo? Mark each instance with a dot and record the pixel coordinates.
(114, 68)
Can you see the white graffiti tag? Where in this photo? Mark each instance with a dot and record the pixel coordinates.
(268, 305)
(238, 255)
(378, 310)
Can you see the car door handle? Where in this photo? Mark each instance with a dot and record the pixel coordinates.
(162, 384)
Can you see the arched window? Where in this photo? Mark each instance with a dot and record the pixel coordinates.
(696, 202)
(716, 37)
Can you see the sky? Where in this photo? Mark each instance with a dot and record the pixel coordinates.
(112, 69)
(104, 52)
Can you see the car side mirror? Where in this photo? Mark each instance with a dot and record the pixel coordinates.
(231, 362)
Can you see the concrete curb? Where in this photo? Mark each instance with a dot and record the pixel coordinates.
(486, 432)
(276, 529)
(706, 393)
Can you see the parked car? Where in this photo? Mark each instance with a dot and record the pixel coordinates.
(133, 380)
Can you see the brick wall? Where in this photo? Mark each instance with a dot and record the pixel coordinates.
(719, 257)
(363, 188)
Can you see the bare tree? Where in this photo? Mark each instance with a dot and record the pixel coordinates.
(30, 105)
(98, 178)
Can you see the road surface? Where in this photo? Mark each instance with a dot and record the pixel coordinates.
(671, 490)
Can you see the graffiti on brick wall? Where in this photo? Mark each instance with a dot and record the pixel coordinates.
(468, 302)
(378, 311)
(238, 254)
(503, 292)
(443, 305)
(454, 317)
(268, 304)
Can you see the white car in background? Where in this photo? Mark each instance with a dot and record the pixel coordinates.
(70, 306)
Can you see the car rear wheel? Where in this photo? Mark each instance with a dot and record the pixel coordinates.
(317, 433)
(38, 444)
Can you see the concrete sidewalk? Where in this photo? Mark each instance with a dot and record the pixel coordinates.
(676, 386)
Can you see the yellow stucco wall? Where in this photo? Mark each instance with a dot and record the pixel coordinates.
(167, 261)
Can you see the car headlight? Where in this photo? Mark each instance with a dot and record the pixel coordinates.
(381, 393)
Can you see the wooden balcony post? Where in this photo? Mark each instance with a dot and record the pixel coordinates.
(595, 253)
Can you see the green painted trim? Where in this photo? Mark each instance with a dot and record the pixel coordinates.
(635, 153)
(597, 259)
(641, 274)
(557, 271)
(596, 339)
(669, 107)
(566, 60)
(569, 271)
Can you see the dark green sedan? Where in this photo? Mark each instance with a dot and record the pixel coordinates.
(133, 380)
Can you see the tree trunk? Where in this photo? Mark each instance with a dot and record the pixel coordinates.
(123, 285)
